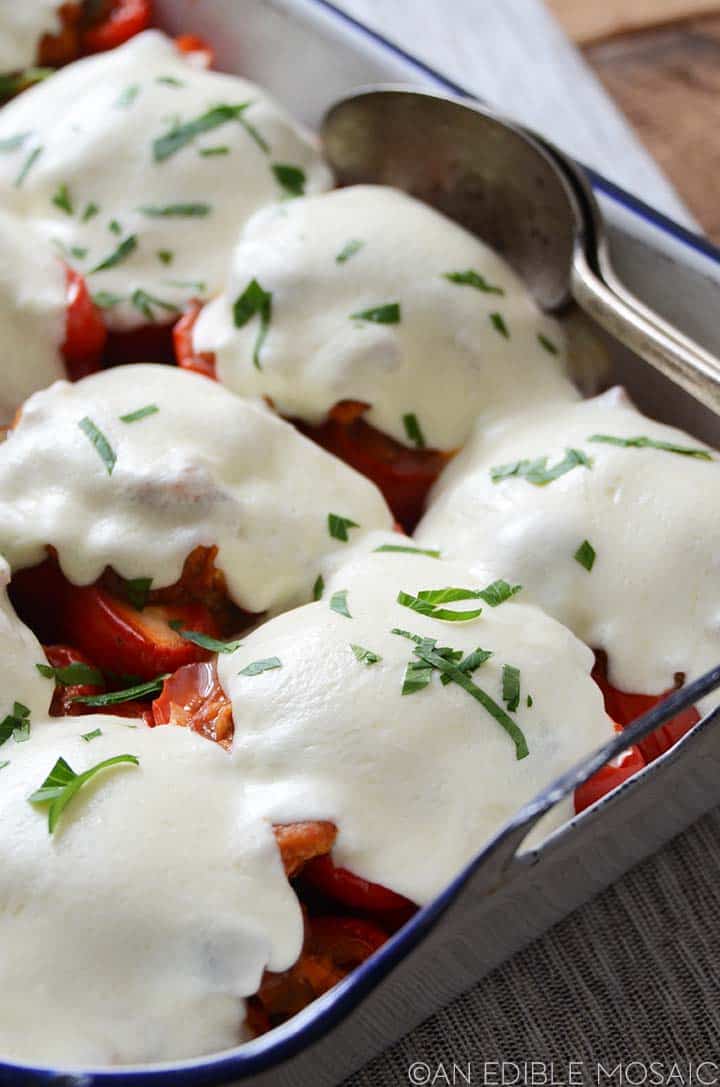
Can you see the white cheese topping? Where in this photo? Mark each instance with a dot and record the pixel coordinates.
(206, 468)
(20, 651)
(456, 351)
(652, 598)
(153, 168)
(33, 301)
(416, 784)
(22, 25)
(133, 933)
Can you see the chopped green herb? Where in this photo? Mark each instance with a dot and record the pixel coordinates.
(78, 252)
(205, 641)
(15, 724)
(96, 438)
(165, 256)
(417, 676)
(89, 736)
(113, 698)
(62, 784)
(529, 701)
(13, 143)
(498, 323)
(192, 284)
(140, 413)
(75, 674)
(106, 299)
(469, 664)
(365, 656)
(16, 82)
(585, 555)
(169, 81)
(258, 667)
(318, 587)
(338, 526)
(175, 211)
(413, 430)
(180, 135)
(114, 227)
(537, 471)
(471, 278)
(511, 687)
(409, 550)
(338, 603)
(291, 178)
(253, 301)
(388, 314)
(548, 344)
(349, 250)
(27, 166)
(61, 199)
(4, 763)
(497, 592)
(210, 152)
(128, 96)
(651, 443)
(126, 247)
(144, 302)
(90, 212)
(137, 590)
(426, 605)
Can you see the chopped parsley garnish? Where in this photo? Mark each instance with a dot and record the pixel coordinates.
(529, 701)
(388, 314)
(78, 251)
(511, 686)
(4, 763)
(427, 600)
(77, 673)
(338, 526)
(180, 135)
(338, 603)
(15, 724)
(585, 555)
(90, 212)
(114, 227)
(15, 82)
(471, 278)
(140, 413)
(468, 664)
(13, 143)
(205, 641)
(27, 166)
(106, 299)
(128, 96)
(175, 211)
(253, 301)
(169, 81)
(62, 784)
(98, 440)
(498, 323)
(413, 430)
(137, 590)
(537, 471)
(61, 199)
(89, 736)
(144, 302)
(258, 667)
(409, 550)
(112, 698)
(365, 656)
(165, 256)
(548, 344)
(209, 152)
(650, 443)
(318, 587)
(192, 284)
(497, 592)
(291, 178)
(349, 250)
(126, 247)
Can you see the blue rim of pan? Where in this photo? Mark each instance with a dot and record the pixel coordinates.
(329, 1012)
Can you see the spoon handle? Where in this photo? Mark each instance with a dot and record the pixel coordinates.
(647, 334)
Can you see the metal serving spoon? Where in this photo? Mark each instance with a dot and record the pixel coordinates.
(522, 196)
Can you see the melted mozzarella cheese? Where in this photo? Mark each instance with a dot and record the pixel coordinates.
(20, 652)
(206, 468)
(134, 932)
(33, 305)
(416, 784)
(652, 598)
(456, 352)
(133, 160)
(22, 25)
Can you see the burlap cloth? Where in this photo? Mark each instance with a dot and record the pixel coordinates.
(631, 978)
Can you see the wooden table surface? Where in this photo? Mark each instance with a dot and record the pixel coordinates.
(660, 61)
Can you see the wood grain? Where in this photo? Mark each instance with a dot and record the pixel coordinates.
(589, 20)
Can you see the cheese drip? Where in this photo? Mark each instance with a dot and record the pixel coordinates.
(202, 468)
(134, 932)
(449, 331)
(143, 167)
(22, 25)
(652, 517)
(416, 784)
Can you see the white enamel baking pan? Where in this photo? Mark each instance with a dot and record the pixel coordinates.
(308, 53)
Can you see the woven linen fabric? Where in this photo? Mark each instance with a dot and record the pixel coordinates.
(632, 977)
